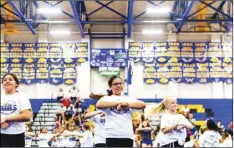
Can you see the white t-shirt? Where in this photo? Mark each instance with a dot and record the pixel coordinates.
(87, 140)
(118, 123)
(209, 139)
(226, 143)
(12, 105)
(60, 94)
(61, 108)
(168, 120)
(28, 141)
(185, 109)
(70, 141)
(99, 136)
(59, 141)
(159, 140)
(44, 139)
(74, 93)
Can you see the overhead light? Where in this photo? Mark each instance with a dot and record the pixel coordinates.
(179, 19)
(152, 31)
(49, 10)
(158, 10)
(60, 32)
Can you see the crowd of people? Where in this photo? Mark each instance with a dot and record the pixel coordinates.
(117, 121)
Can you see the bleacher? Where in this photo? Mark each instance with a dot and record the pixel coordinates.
(202, 109)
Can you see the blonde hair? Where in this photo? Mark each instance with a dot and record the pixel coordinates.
(161, 107)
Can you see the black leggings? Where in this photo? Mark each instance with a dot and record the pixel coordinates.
(12, 140)
(119, 142)
(100, 145)
(173, 144)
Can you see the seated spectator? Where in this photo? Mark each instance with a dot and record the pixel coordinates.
(226, 140)
(66, 101)
(73, 94)
(61, 110)
(185, 109)
(60, 94)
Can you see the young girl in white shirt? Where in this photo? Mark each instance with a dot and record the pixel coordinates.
(118, 111)
(15, 110)
(211, 137)
(87, 140)
(29, 135)
(71, 135)
(173, 125)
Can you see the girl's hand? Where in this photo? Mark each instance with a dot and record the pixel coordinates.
(5, 125)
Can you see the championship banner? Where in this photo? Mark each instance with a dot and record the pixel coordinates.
(149, 73)
(187, 52)
(4, 69)
(29, 53)
(189, 73)
(81, 52)
(120, 57)
(42, 54)
(203, 73)
(106, 58)
(95, 57)
(42, 73)
(228, 72)
(17, 70)
(175, 72)
(109, 71)
(162, 72)
(69, 73)
(216, 72)
(227, 52)
(134, 51)
(29, 73)
(214, 52)
(201, 53)
(16, 52)
(68, 52)
(55, 52)
(161, 52)
(5, 54)
(173, 51)
(56, 73)
(147, 52)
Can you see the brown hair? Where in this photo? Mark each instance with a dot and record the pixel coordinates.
(14, 77)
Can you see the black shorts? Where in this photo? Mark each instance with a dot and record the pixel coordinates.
(8, 140)
(119, 142)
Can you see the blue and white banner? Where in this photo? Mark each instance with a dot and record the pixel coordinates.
(149, 73)
(5, 52)
(175, 72)
(187, 52)
(162, 72)
(4, 69)
(56, 73)
(201, 52)
(17, 69)
(68, 52)
(29, 53)
(227, 52)
(16, 52)
(42, 73)
(29, 73)
(134, 51)
(214, 52)
(55, 52)
(42, 54)
(147, 52)
(189, 73)
(95, 58)
(81, 52)
(217, 73)
(69, 73)
(173, 51)
(161, 52)
(228, 72)
(203, 73)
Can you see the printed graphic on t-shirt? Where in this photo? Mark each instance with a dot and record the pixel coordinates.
(114, 109)
(8, 107)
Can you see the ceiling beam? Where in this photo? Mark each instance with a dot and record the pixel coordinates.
(130, 16)
(22, 17)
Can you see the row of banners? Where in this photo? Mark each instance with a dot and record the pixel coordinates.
(186, 52)
(53, 73)
(55, 63)
(187, 73)
(44, 52)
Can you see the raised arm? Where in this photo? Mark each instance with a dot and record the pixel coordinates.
(90, 115)
(136, 104)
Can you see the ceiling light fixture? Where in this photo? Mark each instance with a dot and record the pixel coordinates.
(158, 10)
(60, 32)
(152, 31)
(48, 10)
